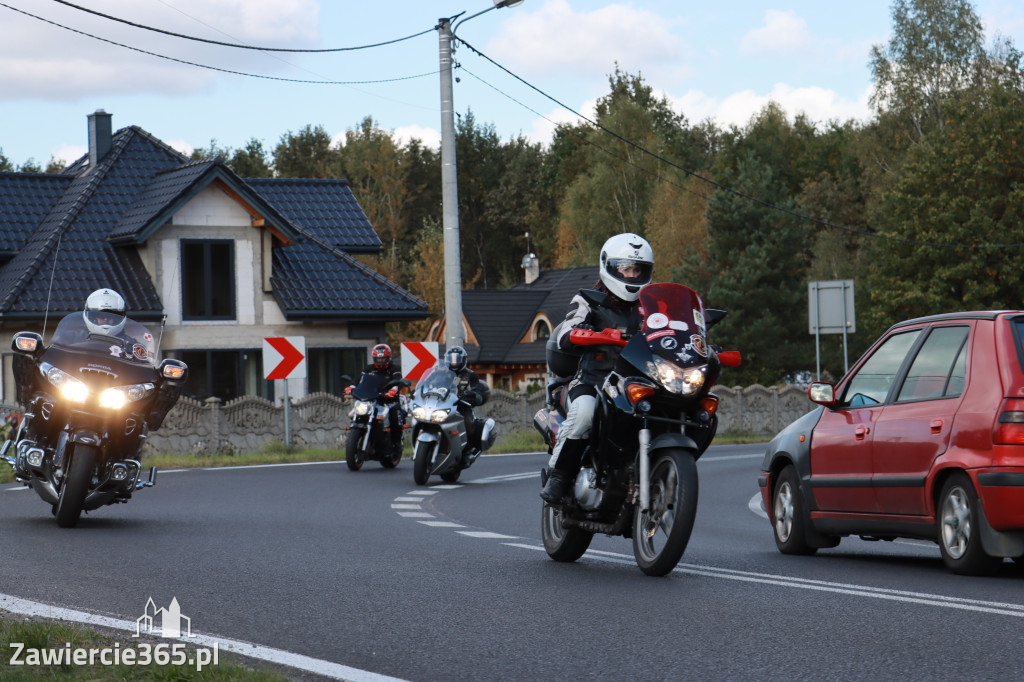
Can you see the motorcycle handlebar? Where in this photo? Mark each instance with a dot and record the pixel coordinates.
(605, 337)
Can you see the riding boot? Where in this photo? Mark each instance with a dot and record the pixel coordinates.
(563, 474)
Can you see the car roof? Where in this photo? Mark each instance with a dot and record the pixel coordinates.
(965, 315)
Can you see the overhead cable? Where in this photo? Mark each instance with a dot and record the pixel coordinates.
(731, 190)
(237, 45)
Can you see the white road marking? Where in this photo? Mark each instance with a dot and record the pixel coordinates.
(408, 499)
(313, 665)
(938, 600)
(422, 492)
(442, 524)
(756, 505)
(415, 515)
(486, 535)
(405, 506)
(447, 487)
(507, 477)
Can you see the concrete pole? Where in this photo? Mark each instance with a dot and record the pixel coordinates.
(450, 195)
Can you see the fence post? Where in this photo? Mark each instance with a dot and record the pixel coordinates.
(214, 404)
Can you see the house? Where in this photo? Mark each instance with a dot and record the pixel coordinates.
(212, 263)
(506, 330)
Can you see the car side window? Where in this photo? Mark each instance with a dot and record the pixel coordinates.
(870, 385)
(930, 375)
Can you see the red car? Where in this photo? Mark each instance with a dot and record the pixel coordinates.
(923, 438)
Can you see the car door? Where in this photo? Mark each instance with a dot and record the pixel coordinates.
(841, 463)
(914, 429)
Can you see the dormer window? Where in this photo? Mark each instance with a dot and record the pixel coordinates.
(208, 279)
(541, 330)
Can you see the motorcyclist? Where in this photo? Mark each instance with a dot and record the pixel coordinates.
(387, 371)
(472, 393)
(104, 312)
(627, 262)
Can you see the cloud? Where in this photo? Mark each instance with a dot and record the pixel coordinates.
(428, 137)
(818, 104)
(556, 38)
(782, 33)
(40, 60)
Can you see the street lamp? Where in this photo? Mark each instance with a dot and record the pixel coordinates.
(449, 182)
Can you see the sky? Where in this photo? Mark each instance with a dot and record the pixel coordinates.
(712, 60)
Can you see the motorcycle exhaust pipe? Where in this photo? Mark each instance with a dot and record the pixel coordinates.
(645, 470)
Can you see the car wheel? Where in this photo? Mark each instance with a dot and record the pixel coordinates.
(959, 531)
(788, 515)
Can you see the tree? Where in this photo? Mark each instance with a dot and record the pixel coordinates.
(251, 161)
(5, 164)
(305, 154)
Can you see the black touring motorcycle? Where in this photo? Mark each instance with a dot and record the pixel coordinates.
(91, 400)
(654, 418)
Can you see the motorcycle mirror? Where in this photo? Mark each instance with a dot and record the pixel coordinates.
(345, 377)
(713, 316)
(729, 358)
(173, 369)
(27, 342)
(596, 298)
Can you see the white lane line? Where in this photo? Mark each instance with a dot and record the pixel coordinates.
(307, 663)
(756, 505)
(442, 524)
(415, 515)
(938, 600)
(507, 477)
(406, 506)
(486, 535)
(422, 492)
(447, 487)
(408, 499)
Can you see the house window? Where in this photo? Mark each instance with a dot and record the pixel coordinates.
(208, 279)
(541, 330)
(225, 374)
(326, 365)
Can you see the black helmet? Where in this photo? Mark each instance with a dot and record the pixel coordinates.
(456, 358)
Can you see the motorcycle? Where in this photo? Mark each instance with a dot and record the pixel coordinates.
(369, 430)
(655, 416)
(91, 401)
(439, 431)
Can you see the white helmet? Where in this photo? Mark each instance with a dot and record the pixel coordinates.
(627, 262)
(104, 312)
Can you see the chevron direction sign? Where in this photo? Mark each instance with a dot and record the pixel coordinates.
(284, 357)
(418, 357)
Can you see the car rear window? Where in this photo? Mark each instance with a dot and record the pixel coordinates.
(937, 371)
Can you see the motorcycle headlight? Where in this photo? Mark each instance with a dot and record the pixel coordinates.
(438, 415)
(676, 379)
(118, 397)
(363, 408)
(419, 412)
(69, 387)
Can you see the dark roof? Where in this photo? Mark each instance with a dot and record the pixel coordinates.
(561, 286)
(326, 209)
(84, 222)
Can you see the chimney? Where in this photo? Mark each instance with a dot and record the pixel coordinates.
(531, 264)
(99, 137)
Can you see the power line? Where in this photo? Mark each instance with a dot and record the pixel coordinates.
(236, 45)
(726, 188)
(216, 68)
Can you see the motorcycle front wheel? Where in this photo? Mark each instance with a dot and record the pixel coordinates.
(660, 535)
(561, 543)
(421, 462)
(353, 455)
(75, 486)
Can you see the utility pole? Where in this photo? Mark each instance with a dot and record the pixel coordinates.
(450, 196)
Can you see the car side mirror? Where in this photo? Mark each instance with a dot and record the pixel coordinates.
(823, 393)
(172, 369)
(27, 343)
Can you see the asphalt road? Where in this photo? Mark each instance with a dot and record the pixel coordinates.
(368, 570)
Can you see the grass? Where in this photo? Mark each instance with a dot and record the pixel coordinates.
(60, 637)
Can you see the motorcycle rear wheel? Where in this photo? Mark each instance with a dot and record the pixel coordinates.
(391, 458)
(353, 455)
(451, 476)
(661, 534)
(561, 543)
(75, 486)
(421, 462)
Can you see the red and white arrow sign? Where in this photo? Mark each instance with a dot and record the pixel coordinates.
(418, 357)
(284, 357)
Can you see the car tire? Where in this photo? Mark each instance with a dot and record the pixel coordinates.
(958, 529)
(788, 515)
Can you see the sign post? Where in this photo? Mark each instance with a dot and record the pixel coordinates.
(284, 357)
(831, 312)
(418, 357)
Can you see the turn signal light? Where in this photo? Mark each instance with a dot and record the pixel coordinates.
(1009, 429)
(173, 371)
(637, 392)
(710, 404)
(26, 343)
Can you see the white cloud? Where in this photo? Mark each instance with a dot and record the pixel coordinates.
(818, 104)
(180, 146)
(69, 153)
(556, 38)
(782, 33)
(428, 137)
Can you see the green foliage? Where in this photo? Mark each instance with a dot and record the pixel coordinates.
(306, 154)
(252, 161)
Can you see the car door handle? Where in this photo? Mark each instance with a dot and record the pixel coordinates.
(861, 431)
(936, 426)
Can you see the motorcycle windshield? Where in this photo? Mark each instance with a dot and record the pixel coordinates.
(368, 388)
(440, 382)
(133, 342)
(673, 327)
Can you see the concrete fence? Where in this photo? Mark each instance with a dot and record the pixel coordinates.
(319, 420)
